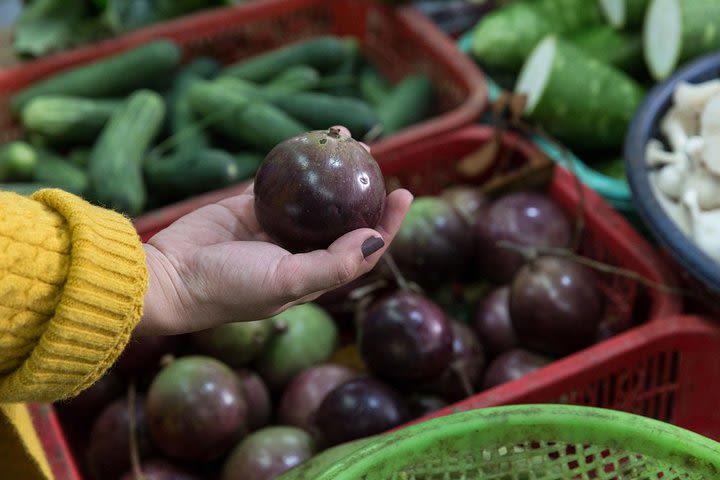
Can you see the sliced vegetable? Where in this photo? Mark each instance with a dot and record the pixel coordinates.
(582, 101)
(623, 14)
(108, 77)
(504, 37)
(677, 30)
(619, 48)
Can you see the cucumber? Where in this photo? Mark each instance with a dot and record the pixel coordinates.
(24, 188)
(17, 162)
(80, 157)
(116, 159)
(22, 162)
(584, 102)
(622, 49)
(185, 174)
(374, 87)
(341, 79)
(675, 31)
(108, 77)
(623, 14)
(265, 92)
(64, 119)
(408, 102)
(54, 170)
(321, 111)
(322, 53)
(243, 119)
(504, 37)
(248, 163)
(183, 126)
(296, 78)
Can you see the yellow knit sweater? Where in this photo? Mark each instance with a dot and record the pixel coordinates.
(72, 283)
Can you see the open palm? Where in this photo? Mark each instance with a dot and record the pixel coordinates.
(216, 265)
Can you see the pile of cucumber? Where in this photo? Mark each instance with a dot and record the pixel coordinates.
(585, 65)
(143, 128)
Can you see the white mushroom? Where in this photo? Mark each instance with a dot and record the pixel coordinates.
(677, 125)
(671, 179)
(710, 117)
(711, 153)
(695, 95)
(706, 185)
(693, 148)
(656, 155)
(676, 211)
(705, 229)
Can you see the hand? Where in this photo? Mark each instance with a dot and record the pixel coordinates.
(216, 265)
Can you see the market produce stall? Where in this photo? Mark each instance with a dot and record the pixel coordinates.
(522, 273)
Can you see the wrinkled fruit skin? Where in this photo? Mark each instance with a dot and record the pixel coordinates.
(196, 409)
(160, 469)
(313, 188)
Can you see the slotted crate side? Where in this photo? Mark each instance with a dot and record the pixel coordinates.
(398, 41)
(664, 370)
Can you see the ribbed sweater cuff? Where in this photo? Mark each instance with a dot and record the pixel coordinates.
(100, 305)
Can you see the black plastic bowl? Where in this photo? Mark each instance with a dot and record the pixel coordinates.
(645, 126)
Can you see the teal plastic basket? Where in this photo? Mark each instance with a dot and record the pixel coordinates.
(524, 442)
(615, 191)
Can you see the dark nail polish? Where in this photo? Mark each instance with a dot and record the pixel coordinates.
(371, 245)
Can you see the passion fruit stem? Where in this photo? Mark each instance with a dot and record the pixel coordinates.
(134, 449)
(601, 267)
(395, 271)
(333, 132)
(456, 368)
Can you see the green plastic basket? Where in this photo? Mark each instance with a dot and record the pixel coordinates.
(525, 442)
(615, 191)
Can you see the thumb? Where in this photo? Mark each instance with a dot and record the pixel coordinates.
(350, 256)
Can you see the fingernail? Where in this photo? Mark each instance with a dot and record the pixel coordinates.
(371, 245)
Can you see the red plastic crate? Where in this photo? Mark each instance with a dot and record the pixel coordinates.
(426, 167)
(665, 370)
(398, 41)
